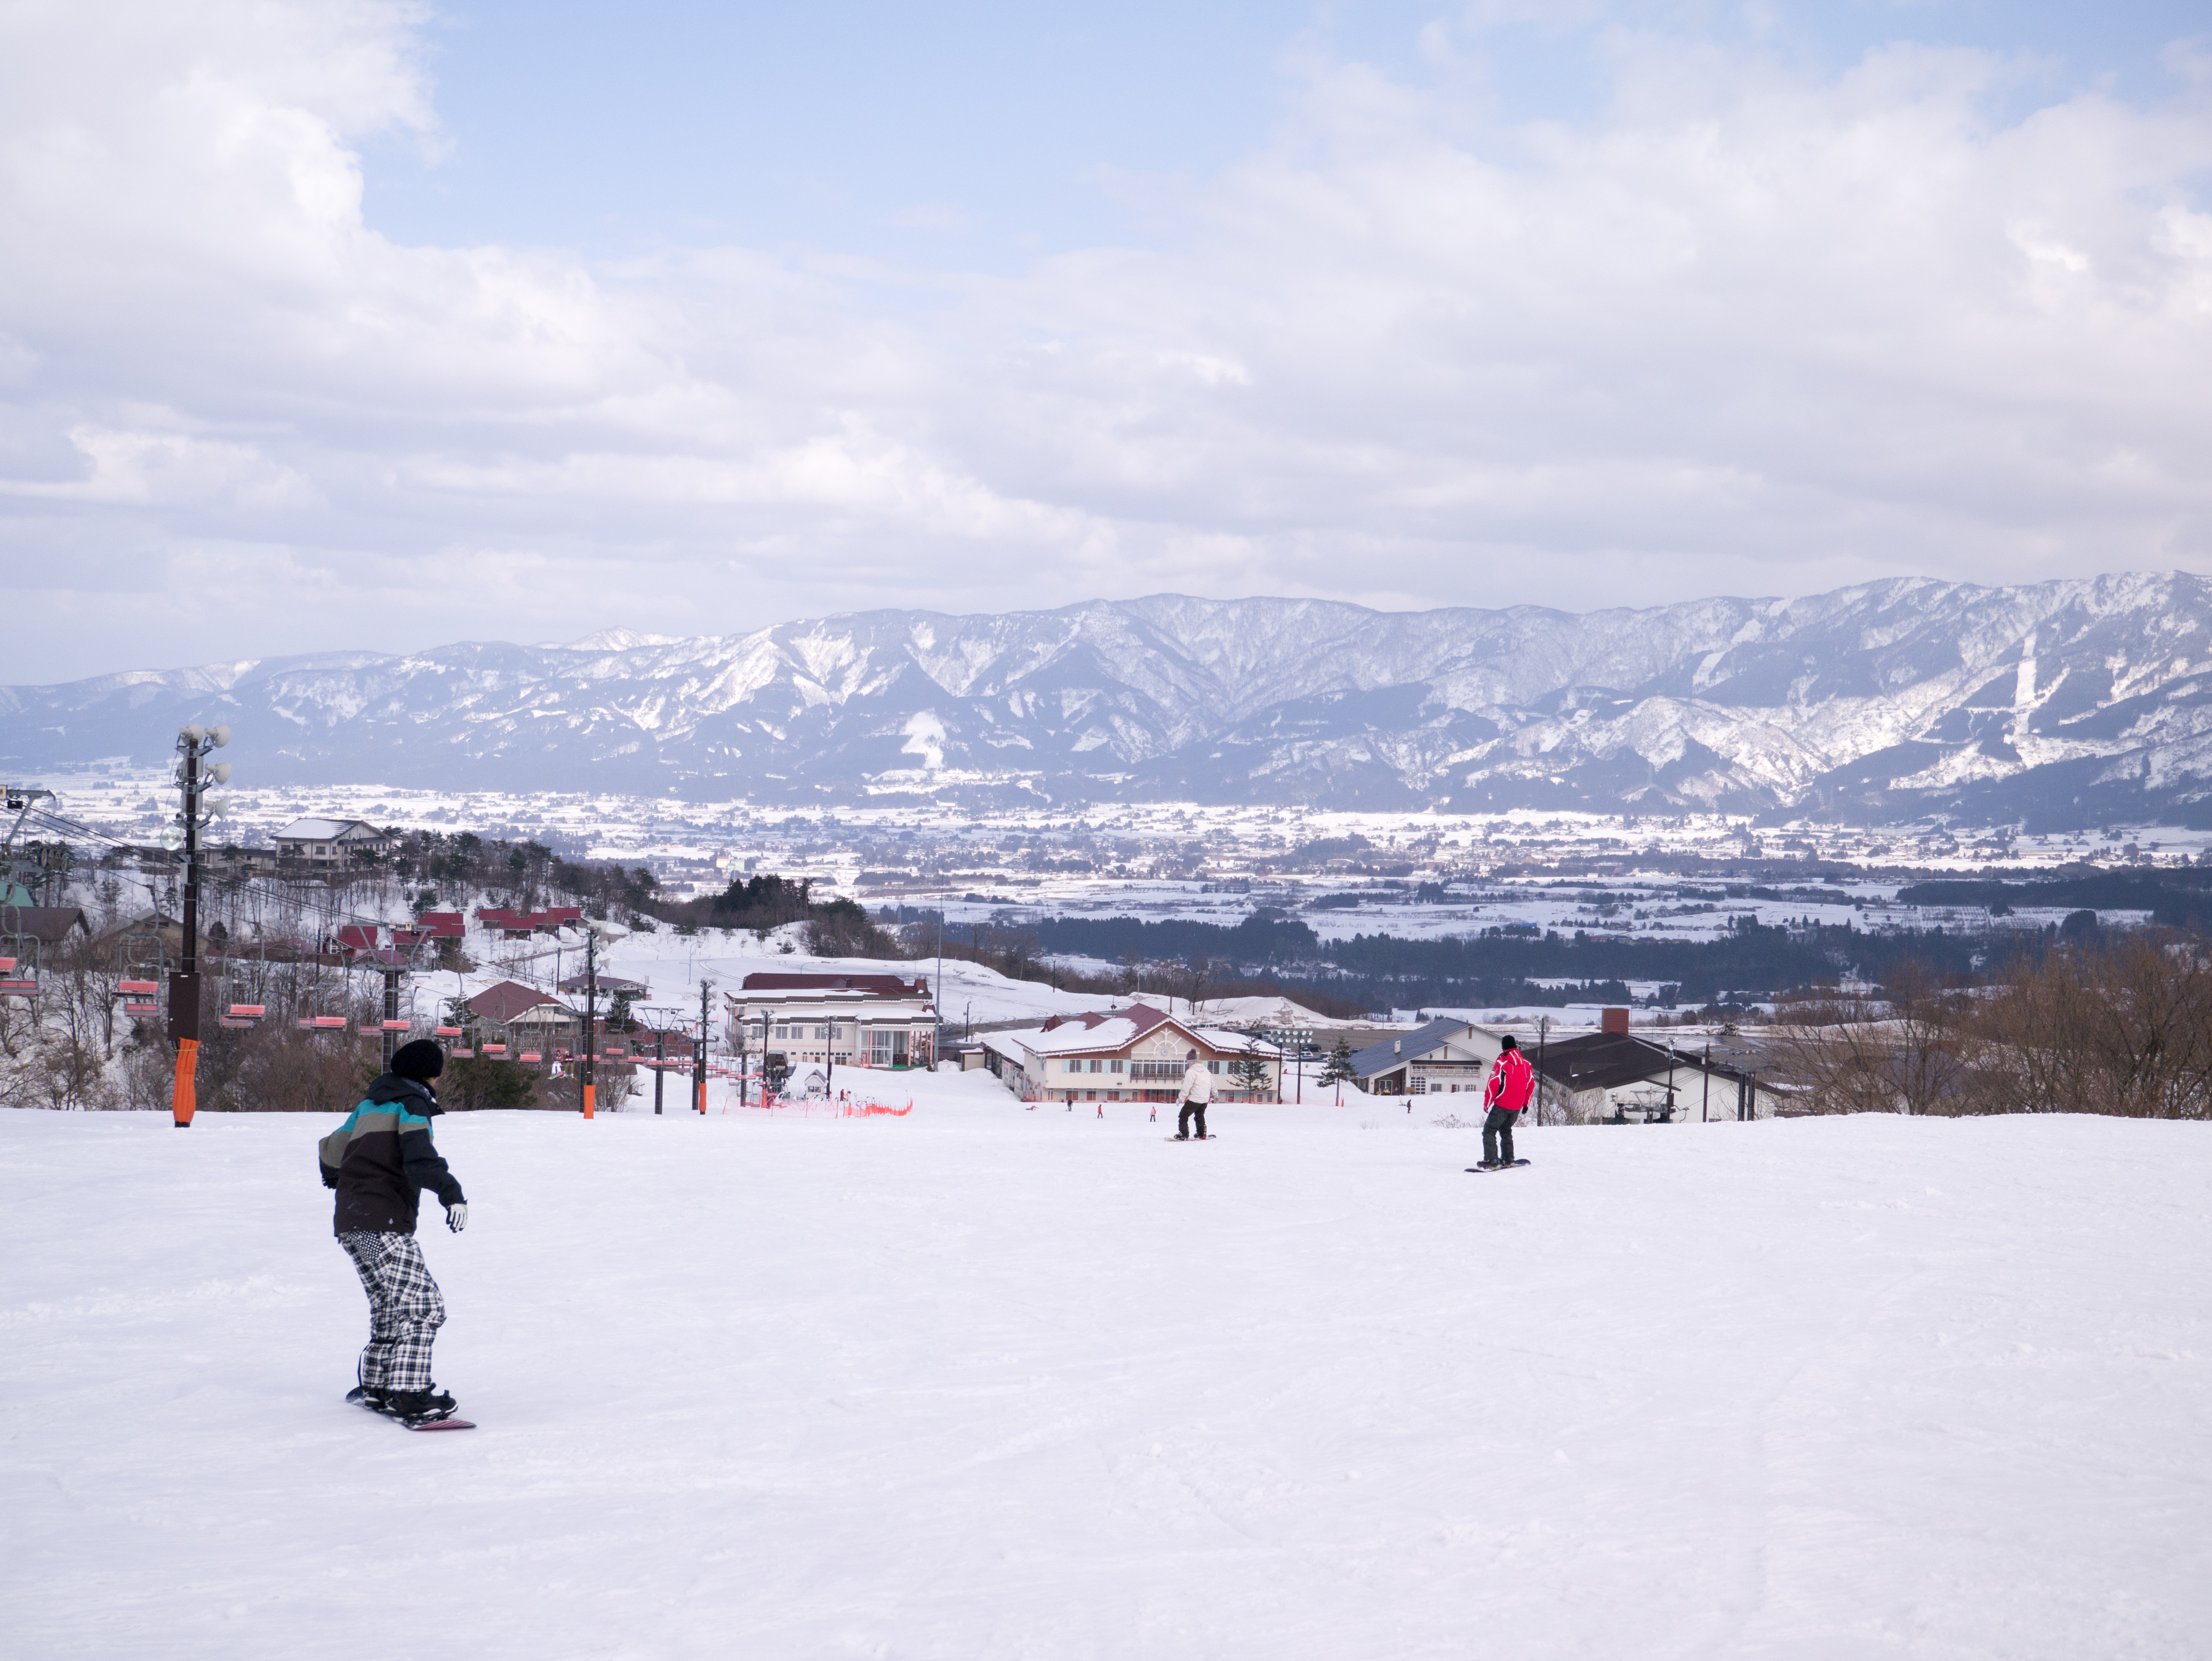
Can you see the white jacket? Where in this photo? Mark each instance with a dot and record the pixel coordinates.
(1197, 1083)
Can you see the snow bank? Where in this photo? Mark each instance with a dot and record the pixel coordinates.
(980, 1382)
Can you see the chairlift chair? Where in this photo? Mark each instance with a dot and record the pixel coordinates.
(19, 967)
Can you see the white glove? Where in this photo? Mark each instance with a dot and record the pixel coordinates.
(457, 1216)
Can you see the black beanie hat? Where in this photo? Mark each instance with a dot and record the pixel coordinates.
(1509, 1041)
(421, 1061)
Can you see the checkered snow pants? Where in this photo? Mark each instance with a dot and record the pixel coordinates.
(404, 1309)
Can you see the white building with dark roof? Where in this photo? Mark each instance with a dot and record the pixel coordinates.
(330, 842)
(818, 1021)
(1439, 1057)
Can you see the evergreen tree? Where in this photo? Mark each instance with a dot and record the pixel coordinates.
(1339, 1070)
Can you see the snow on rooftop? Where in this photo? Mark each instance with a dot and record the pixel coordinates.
(321, 829)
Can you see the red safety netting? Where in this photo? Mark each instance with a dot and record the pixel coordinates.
(801, 1107)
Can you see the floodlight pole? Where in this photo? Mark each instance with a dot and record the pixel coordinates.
(699, 1054)
(591, 1013)
(193, 743)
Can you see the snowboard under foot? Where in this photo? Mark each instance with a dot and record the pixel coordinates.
(1210, 1136)
(1485, 1169)
(360, 1399)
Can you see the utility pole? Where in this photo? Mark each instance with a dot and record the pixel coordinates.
(590, 1013)
(390, 1013)
(659, 1065)
(699, 1054)
(193, 744)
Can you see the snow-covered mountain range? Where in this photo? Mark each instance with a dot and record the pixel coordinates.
(2086, 701)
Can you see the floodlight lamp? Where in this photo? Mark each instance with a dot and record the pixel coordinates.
(219, 806)
(220, 773)
(172, 837)
(193, 734)
(219, 736)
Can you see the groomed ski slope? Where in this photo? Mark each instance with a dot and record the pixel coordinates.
(981, 1383)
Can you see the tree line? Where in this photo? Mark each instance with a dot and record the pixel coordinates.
(2097, 1024)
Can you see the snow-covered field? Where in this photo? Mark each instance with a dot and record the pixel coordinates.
(980, 1382)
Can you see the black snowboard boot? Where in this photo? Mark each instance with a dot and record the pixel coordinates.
(418, 1404)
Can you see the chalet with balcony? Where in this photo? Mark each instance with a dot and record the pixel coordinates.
(816, 1021)
(330, 844)
(1137, 1053)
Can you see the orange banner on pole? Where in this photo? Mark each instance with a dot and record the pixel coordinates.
(181, 1102)
(590, 1091)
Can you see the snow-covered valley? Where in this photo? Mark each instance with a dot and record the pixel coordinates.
(980, 1382)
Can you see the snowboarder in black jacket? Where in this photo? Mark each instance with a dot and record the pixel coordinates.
(379, 1161)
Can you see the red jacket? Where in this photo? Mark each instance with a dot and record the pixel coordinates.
(1512, 1082)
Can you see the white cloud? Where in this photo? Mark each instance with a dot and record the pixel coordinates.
(1749, 328)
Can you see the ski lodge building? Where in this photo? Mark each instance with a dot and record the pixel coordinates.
(525, 1018)
(1441, 1057)
(330, 844)
(818, 1022)
(1614, 1076)
(1136, 1054)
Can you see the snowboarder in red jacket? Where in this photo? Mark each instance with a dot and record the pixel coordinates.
(1512, 1086)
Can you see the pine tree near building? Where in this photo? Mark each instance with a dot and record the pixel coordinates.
(1250, 1072)
(1339, 1070)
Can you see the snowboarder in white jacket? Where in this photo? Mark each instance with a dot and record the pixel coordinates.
(1197, 1091)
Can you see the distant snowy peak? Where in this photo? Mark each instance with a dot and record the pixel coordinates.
(2061, 702)
(612, 640)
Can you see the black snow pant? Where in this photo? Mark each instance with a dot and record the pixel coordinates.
(1498, 1135)
(1183, 1119)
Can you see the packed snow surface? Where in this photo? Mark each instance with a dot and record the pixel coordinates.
(983, 1382)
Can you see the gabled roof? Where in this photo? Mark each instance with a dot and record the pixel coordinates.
(50, 925)
(1606, 1060)
(1396, 1052)
(609, 985)
(326, 830)
(1096, 1033)
(504, 1000)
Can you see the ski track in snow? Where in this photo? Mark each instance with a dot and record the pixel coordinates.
(981, 1382)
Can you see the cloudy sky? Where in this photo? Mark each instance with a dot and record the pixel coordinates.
(374, 325)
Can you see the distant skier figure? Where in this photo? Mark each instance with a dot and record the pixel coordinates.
(379, 1161)
(1197, 1091)
(1512, 1082)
